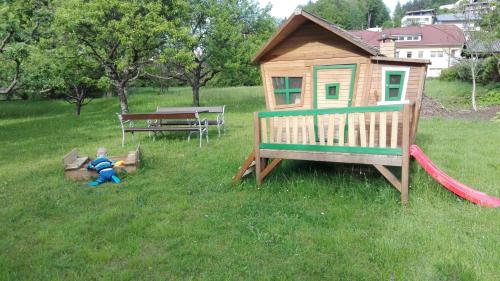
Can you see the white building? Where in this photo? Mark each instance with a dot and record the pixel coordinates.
(419, 17)
(441, 44)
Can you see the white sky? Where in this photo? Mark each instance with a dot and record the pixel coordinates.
(284, 8)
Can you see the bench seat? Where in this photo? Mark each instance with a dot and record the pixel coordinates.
(160, 129)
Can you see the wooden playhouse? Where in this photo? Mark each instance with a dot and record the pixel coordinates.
(332, 97)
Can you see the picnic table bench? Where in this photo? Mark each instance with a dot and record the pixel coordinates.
(191, 122)
(219, 121)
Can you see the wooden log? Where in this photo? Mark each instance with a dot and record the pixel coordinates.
(362, 129)
(279, 135)
(295, 130)
(405, 169)
(341, 130)
(372, 129)
(258, 162)
(351, 130)
(287, 130)
(304, 129)
(394, 129)
(331, 129)
(271, 130)
(269, 168)
(382, 130)
(389, 176)
(246, 165)
(312, 136)
(321, 130)
(263, 124)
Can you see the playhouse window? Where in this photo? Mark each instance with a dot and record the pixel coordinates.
(332, 91)
(394, 81)
(287, 90)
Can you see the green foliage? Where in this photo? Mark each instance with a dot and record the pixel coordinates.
(223, 35)
(22, 25)
(488, 71)
(121, 35)
(355, 14)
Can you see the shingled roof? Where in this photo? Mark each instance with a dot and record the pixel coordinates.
(432, 35)
(298, 18)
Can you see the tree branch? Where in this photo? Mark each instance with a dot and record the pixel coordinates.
(5, 40)
(8, 90)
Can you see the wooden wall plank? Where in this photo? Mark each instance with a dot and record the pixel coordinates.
(382, 130)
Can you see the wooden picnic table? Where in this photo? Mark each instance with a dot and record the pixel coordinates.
(176, 110)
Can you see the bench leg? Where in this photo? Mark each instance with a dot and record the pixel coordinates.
(206, 134)
(218, 129)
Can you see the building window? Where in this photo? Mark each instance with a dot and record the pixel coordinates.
(454, 53)
(287, 90)
(408, 55)
(420, 54)
(332, 91)
(397, 54)
(394, 81)
(415, 38)
(436, 54)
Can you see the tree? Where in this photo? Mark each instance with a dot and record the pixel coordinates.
(21, 26)
(479, 42)
(222, 36)
(121, 35)
(357, 14)
(398, 15)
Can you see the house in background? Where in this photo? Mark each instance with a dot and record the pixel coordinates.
(441, 44)
(420, 17)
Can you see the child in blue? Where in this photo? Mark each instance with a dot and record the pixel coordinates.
(104, 168)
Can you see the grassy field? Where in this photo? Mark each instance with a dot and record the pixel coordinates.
(457, 95)
(178, 218)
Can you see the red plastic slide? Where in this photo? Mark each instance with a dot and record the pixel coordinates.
(460, 189)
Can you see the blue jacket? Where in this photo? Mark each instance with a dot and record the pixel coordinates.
(100, 164)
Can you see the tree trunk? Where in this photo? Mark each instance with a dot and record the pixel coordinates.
(196, 95)
(78, 105)
(121, 89)
(473, 97)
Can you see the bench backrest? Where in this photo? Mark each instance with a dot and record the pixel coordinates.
(210, 109)
(157, 116)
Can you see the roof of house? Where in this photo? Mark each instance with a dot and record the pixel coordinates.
(432, 35)
(297, 19)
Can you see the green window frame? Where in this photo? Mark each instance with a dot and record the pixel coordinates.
(335, 96)
(287, 91)
(391, 86)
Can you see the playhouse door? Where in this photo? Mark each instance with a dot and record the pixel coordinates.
(334, 85)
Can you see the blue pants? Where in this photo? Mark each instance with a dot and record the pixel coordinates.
(105, 176)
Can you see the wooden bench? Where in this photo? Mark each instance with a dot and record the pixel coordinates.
(219, 121)
(192, 123)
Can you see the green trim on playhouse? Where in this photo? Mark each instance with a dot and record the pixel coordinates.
(325, 148)
(389, 86)
(316, 68)
(336, 95)
(287, 91)
(340, 110)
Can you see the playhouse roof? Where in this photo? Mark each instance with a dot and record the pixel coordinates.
(297, 19)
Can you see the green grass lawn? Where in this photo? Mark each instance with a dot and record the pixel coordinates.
(457, 94)
(179, 218)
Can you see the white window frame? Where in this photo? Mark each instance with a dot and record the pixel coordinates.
(405, 85)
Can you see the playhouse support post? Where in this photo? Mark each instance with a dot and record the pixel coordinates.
(405, 169)
(258, 160)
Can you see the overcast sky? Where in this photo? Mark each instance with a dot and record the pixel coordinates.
(284, 8)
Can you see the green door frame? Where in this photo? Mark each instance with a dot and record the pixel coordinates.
(317, 68)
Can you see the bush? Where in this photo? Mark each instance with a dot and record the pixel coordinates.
(488, 72)
(449, 74)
